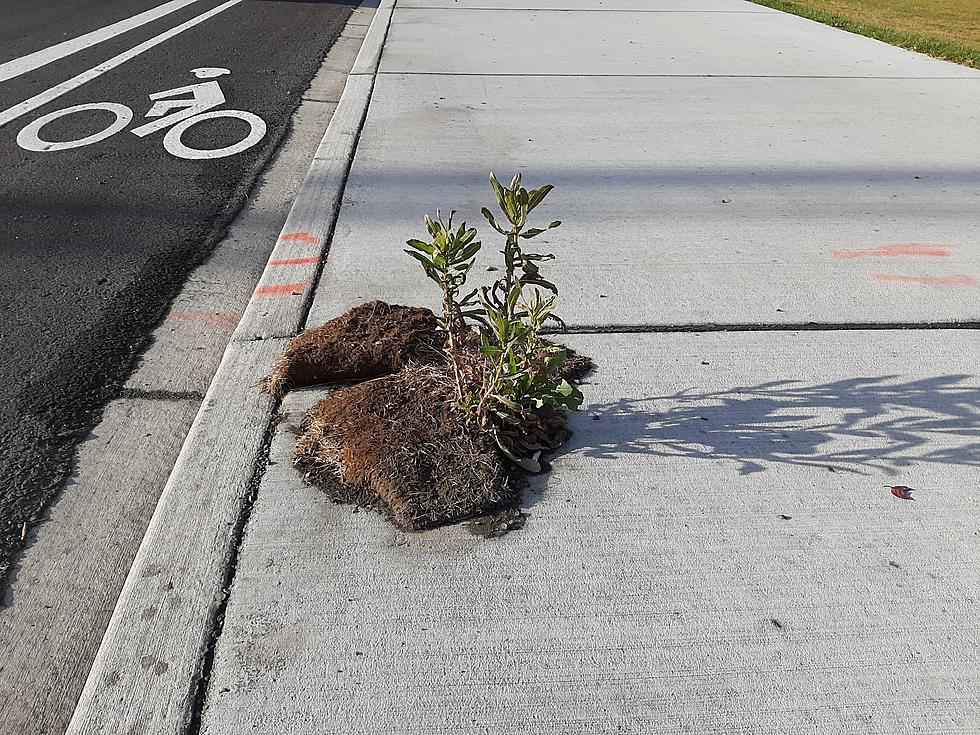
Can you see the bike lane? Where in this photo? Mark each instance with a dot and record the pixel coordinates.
(30, 26)
(95, 240)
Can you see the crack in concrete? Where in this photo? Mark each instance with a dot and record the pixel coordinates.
(763, 327)
(200, 683)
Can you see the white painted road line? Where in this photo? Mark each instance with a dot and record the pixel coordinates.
(30, 62)
(22, 108)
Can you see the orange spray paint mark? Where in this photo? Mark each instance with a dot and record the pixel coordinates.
(287, 289)
(304, 237)
(957, 280)
(201, 316)
(294, 261)
(914, 249)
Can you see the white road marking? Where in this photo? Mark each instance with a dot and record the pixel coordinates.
(29, 105)
(30, 62)
(29, 139)
(175, 146)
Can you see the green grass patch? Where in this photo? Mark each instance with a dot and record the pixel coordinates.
(947, 50)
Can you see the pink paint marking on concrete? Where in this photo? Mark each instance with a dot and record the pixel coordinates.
(303, 237)
(294, 261)
(960, 279)
(287, 289)
(898, 249)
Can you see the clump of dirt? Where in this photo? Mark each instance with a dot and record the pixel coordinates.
(498, 524)
(398, 442)
(369, 341)
(575, 367)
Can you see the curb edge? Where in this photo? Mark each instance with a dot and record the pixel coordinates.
(147, 672)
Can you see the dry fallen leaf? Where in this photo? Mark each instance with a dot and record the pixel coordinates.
(903, 492)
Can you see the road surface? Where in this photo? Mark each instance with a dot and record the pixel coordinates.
(96, 239)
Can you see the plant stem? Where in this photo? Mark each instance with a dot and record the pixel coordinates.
(450, 316)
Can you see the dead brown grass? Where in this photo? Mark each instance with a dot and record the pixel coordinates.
(398, 443)
(369, 341)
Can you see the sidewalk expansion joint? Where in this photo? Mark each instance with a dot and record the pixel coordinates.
(217, 623)
(763, 327)
(161, 395)
(587, 10)
(675, 76)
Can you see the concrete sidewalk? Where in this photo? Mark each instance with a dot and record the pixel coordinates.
(770, 247)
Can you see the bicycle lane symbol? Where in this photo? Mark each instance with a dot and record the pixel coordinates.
(184, 112)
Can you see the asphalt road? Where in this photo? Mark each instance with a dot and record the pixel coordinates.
(96, 239)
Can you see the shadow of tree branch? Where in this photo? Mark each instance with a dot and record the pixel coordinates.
(855, 425)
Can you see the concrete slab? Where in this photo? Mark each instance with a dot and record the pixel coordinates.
(447, 41)
(714, 552)
(63, 589)
(684, 201)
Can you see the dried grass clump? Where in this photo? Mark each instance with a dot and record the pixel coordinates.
(369, 341)
(397, 442)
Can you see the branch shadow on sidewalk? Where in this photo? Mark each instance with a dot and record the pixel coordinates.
(860, 425)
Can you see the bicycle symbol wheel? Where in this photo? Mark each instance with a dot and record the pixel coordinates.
(175, 146)
(29, 139)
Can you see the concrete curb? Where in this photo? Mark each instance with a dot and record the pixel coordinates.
(281, 300)
(150, 673)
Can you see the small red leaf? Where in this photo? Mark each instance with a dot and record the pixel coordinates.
(903, 492)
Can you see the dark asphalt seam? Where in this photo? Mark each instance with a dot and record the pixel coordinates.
(161, 395)
(772, 327)
(202, 681)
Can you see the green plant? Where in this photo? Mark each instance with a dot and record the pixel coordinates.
(517, 203)
(518, 370)
(447, 259)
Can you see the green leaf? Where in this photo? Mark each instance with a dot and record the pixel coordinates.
(493, 222)
(470, 250)
(498, 191)
(507, 418)
(565, 388)
(530, 463)
(420, 258)
(419, 245)
(537, 196)
(553, 225)
(510, 206)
